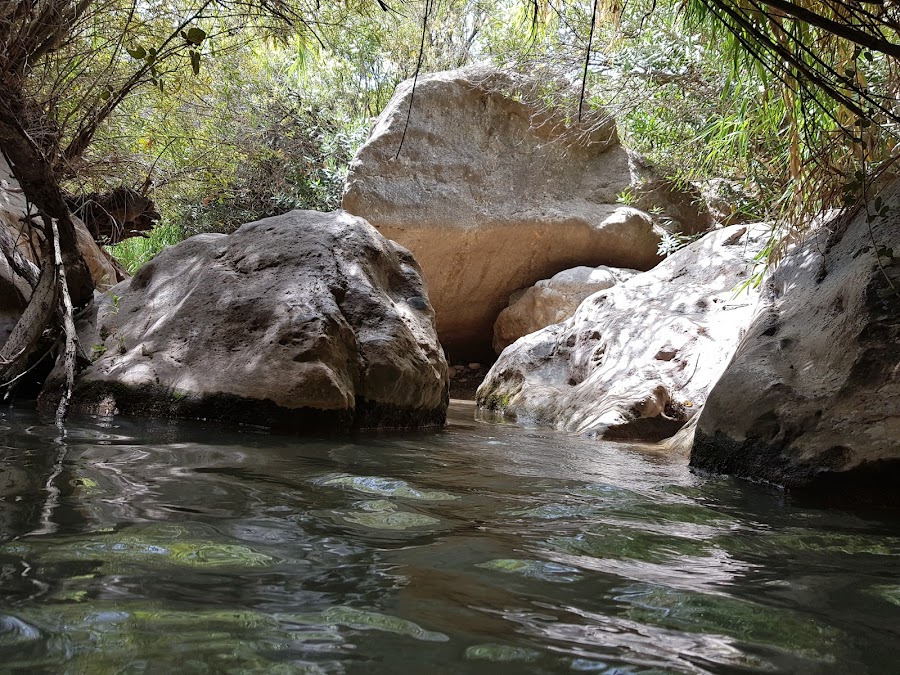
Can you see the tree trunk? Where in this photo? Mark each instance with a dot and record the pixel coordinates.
(33, 169)
(64, 279)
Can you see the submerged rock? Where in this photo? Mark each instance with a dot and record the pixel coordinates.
(492, 194)
(552, 300)
(305, 321)
(812, 395)
(636, 361)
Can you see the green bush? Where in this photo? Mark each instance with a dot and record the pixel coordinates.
(134, 252)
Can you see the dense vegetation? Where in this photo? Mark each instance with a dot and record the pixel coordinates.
(793, 114)
(228, 111)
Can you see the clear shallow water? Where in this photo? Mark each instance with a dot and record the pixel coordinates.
(162, 548)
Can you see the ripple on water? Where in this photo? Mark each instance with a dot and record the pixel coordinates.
(722, 615)
(106, 637)
(534, 569)
(556, 511)
(497, 653)
(889, 593)
(603, 638)
(381, 515)
(387, 487)
(629, 543)
(651, 558)
(777, 542)
(360, 619)
(15, 632)
(390, 520)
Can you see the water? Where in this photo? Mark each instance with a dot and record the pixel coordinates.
(138, 547)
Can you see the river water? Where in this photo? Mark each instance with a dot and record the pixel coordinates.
(150, 547)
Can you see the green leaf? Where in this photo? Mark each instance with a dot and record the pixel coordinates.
(195, 61)
(136, 52)
(196, 35)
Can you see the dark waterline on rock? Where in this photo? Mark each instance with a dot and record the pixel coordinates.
(153, 547)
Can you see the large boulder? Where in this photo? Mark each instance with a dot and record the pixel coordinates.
(305, 321)
(552, 300)
(492, 194)
(636, 361)
(812, 395)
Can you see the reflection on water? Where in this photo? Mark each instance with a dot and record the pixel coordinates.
(156, 547)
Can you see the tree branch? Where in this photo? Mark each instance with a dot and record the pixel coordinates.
(844, 30)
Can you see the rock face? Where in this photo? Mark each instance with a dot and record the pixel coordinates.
(552, 300)
(13, 298)
(19, 244)
(13, 208)
(17, 241)
(490, 196)
(636, 361)
(812, 395)
(306, 321)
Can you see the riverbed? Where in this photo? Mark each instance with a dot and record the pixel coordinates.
(135, 546)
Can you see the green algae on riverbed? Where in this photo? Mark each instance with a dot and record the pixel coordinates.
(145, 547)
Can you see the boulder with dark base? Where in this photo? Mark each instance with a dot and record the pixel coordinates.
(306, 321)
(812, 395)
(636, 361)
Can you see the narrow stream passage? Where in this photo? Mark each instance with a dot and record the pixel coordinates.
(160, 548)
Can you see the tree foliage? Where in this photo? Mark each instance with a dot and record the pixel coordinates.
(65, 67)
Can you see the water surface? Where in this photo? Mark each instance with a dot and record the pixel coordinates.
(149, 547)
